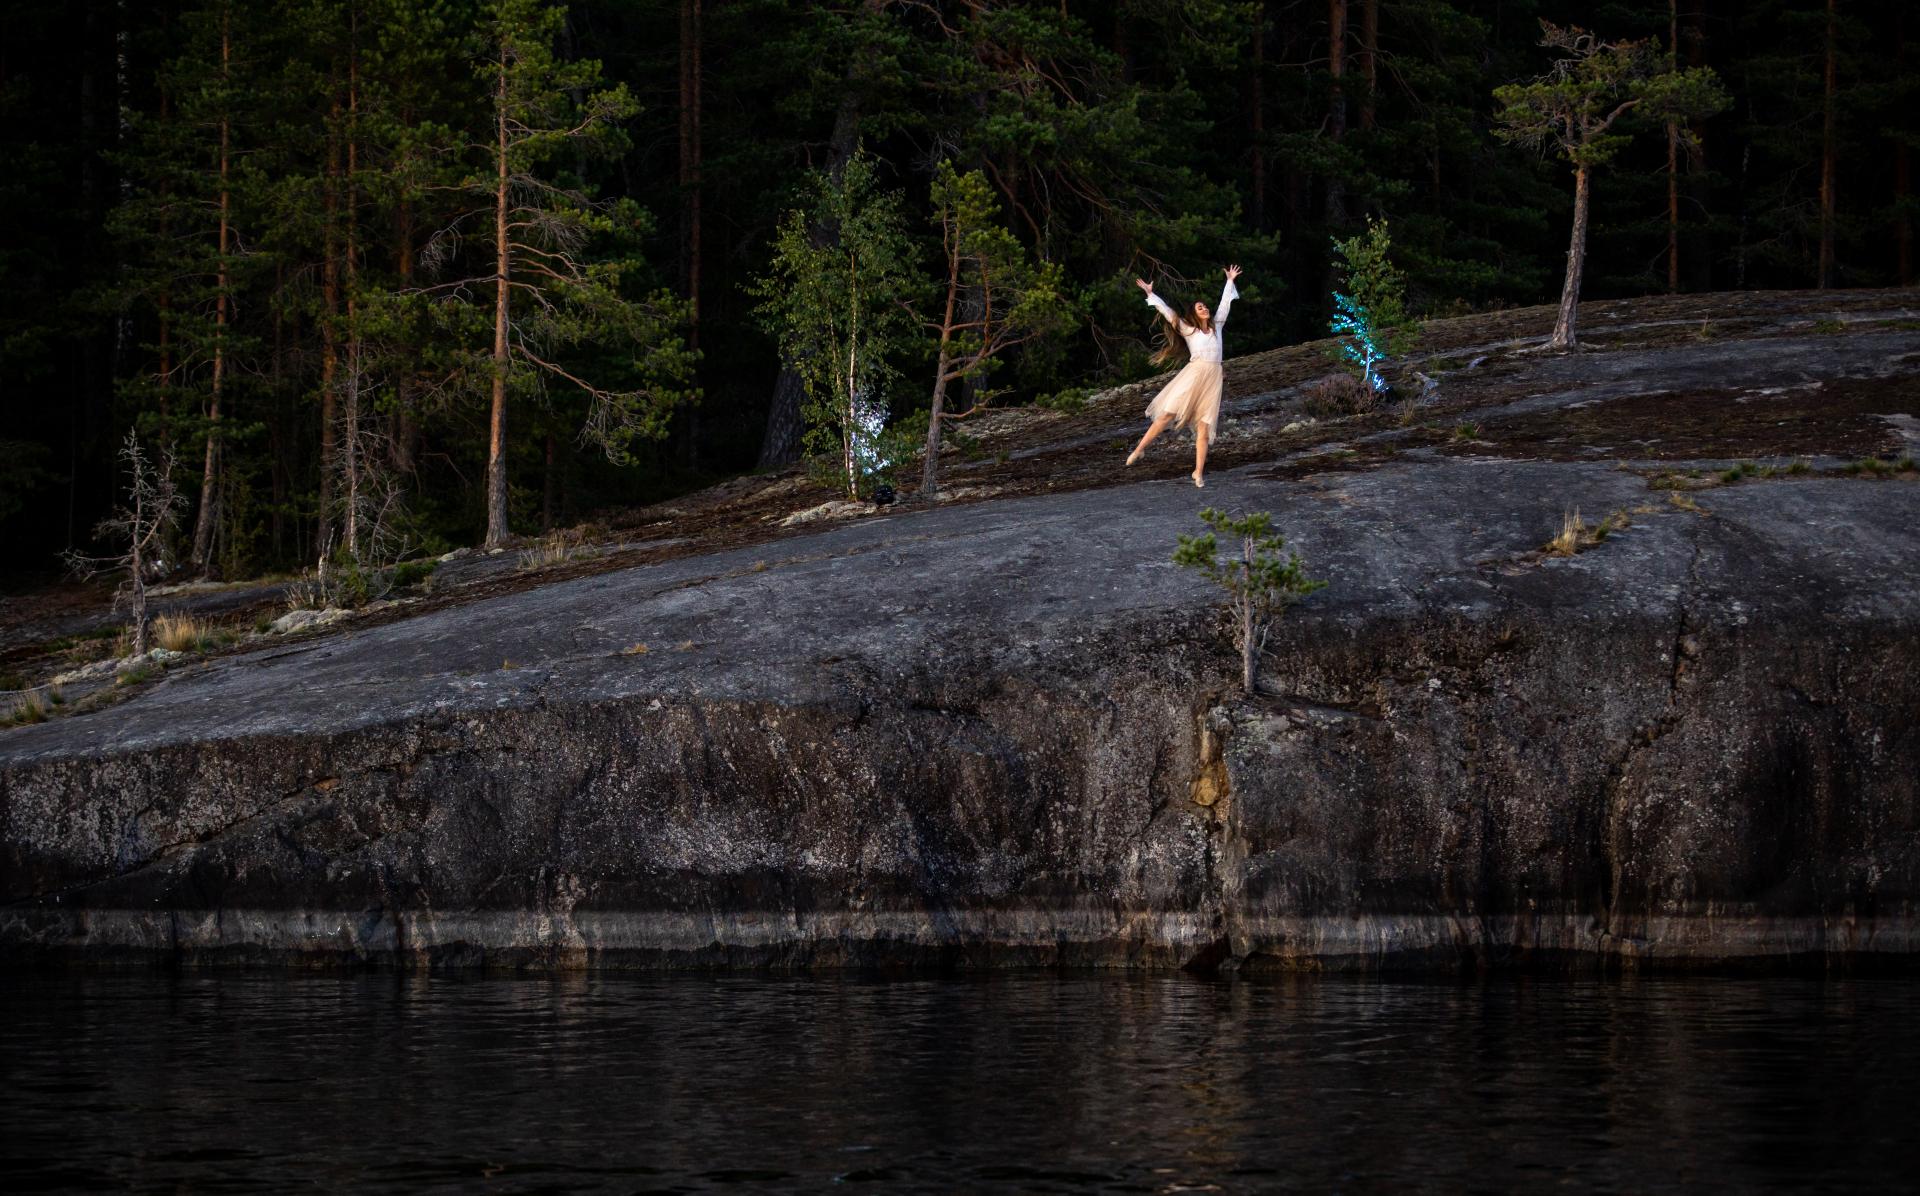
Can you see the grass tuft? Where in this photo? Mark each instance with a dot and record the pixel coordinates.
(29, 707)
(1612, 523)
(1874, 467)
(1572, 531)
(555, 548)
(182, 633)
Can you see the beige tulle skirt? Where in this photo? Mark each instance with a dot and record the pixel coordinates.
(1192, 397)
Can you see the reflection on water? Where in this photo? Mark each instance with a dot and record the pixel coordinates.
(1015, 1082)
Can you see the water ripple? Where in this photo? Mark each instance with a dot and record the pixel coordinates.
(1022, 1082)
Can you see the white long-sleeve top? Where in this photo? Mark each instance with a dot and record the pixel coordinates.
(1201, 345)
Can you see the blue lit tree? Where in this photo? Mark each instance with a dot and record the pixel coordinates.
(1370, 314)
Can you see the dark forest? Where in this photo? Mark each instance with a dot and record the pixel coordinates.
(266, 234)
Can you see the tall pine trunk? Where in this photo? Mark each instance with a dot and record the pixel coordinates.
(403, 431)
(1336, 191)
(278, 471)
(1257, 118)
(210, 470)
(1369, 59)
(1563, 330)
(1902, 171)
(1699, 257)
(1673, 157)
(550, 487)
(356, 349)
(930, 473)
(329, 336)
(690, 191)
(497, 426)
(1829, 151)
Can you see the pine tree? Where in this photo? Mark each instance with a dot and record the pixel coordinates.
(1019, 300)
(1574, 110)
(552, 290)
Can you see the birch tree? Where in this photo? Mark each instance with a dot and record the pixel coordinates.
(152, 507)
(835, 297)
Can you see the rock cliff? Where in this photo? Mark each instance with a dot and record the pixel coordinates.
(1006, 730)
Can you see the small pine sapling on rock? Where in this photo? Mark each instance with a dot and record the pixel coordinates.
(152, 508)
(1259, 585)
(1370, 315)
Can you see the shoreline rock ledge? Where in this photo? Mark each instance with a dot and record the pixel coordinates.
(1006, 733)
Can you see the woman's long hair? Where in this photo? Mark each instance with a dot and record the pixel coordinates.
(1172, 344)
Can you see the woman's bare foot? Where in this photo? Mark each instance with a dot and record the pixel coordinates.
(1200, 481)
(1134, 455)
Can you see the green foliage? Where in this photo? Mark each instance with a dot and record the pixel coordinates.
(835, 293)
(1009, 299)
(1574, 108)
(1260, 583)
(349, 586)
(25, 709)
(137, 674)
(1069, 401)
(411, 573)
(1371, 317)
(572, 257)
(1111, 139)
(994, 298)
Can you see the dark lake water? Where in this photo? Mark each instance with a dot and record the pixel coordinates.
(1015, 1082)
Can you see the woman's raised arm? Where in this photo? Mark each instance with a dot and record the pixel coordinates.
(1228, 294)
(1158, 304)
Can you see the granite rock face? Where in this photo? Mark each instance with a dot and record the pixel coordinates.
(1007, 733)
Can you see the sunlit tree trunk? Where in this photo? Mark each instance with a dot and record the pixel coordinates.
(930, 471)
(550, 488)
(690, 198)
(356, 348)
(1673, 157)
(1563, 330)
(1257, 117)
(690, 102)
(209, 474)
(1336, 104)
(404, 430)
(497, 531)
(278, 471)
(1902, 171)
(1369, 58)
(329, 333)
(1829, 152)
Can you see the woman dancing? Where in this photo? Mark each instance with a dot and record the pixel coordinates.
(1193, 397)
